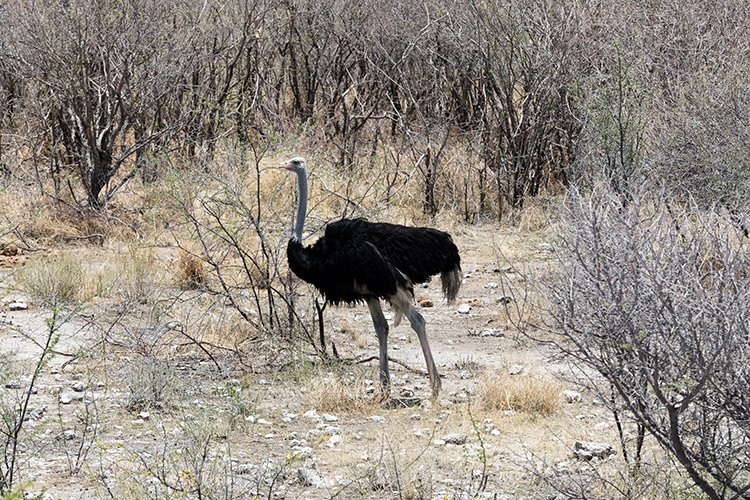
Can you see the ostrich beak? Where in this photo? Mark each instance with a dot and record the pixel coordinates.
(286, 166)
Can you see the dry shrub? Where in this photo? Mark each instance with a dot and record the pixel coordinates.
(191, 271)
(331, 394)
(55, 279)
(522, 393)
(138, 277)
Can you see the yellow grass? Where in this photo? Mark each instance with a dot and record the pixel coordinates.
(522, 393)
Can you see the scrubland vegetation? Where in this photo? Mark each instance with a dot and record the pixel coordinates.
(590, 158)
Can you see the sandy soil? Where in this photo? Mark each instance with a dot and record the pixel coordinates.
(271, 439)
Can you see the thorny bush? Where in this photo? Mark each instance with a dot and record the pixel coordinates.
(656, 299)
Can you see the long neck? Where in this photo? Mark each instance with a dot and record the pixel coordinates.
(302, 208)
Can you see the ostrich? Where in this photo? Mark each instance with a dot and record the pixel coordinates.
(357, 260)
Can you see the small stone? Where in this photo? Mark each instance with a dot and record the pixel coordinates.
(602, 426)
(308, 476)
(406, 393)
(36, 414)
(465, 375)
(515, 369)
(144, 415)
(12, 384)
(495, 432)
(423, 432)
(333, 440)
(586, 450)
(68, 397)
(491, 285)
(288, 417)
(138, 421)
(263, 421)
(18, 306)
(426, 303)
(415, 416)
(545, 247)
(303, 452)
(571, 396)
(10, 250)
(243, 469)
(438, 442)
(464, 309)
(329, 418)
(378, 419)
(455, 438)
(492, 332)
(312, 414)
(426, 404)
(69, 434)
(504, 300)
(78, 386)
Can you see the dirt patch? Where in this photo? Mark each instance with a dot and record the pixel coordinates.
(301, 430)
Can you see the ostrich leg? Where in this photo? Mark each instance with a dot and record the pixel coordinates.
(381, 329)
(418, 324)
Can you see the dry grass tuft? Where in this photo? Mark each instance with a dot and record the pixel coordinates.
(55, 279)
(535, 216)
(138, 277)
(191, 271)
(522, 393)
(333, 395)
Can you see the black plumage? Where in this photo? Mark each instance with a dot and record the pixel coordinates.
(357, 260)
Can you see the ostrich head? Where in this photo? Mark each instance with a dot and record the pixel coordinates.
(296, 165)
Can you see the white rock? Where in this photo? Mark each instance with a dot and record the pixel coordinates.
(491, 285)
(333, 440)
(78, 386)
(426, 404)
(455, 438)
(586, 450)
(308, 476)
(144, 415)
(378, 419)
(464, 309)
(69, 434)
(68, 397)
(311, 414)
(495, 432)
(288, 417)
(571, 396)
(515, 369)
(545, 247)
(415, 416)
(602, 426)
(303, 452)
(492, 332)
(18, 306)
(438, 442)
(423, 432)
(329, 418)
(12, 384)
